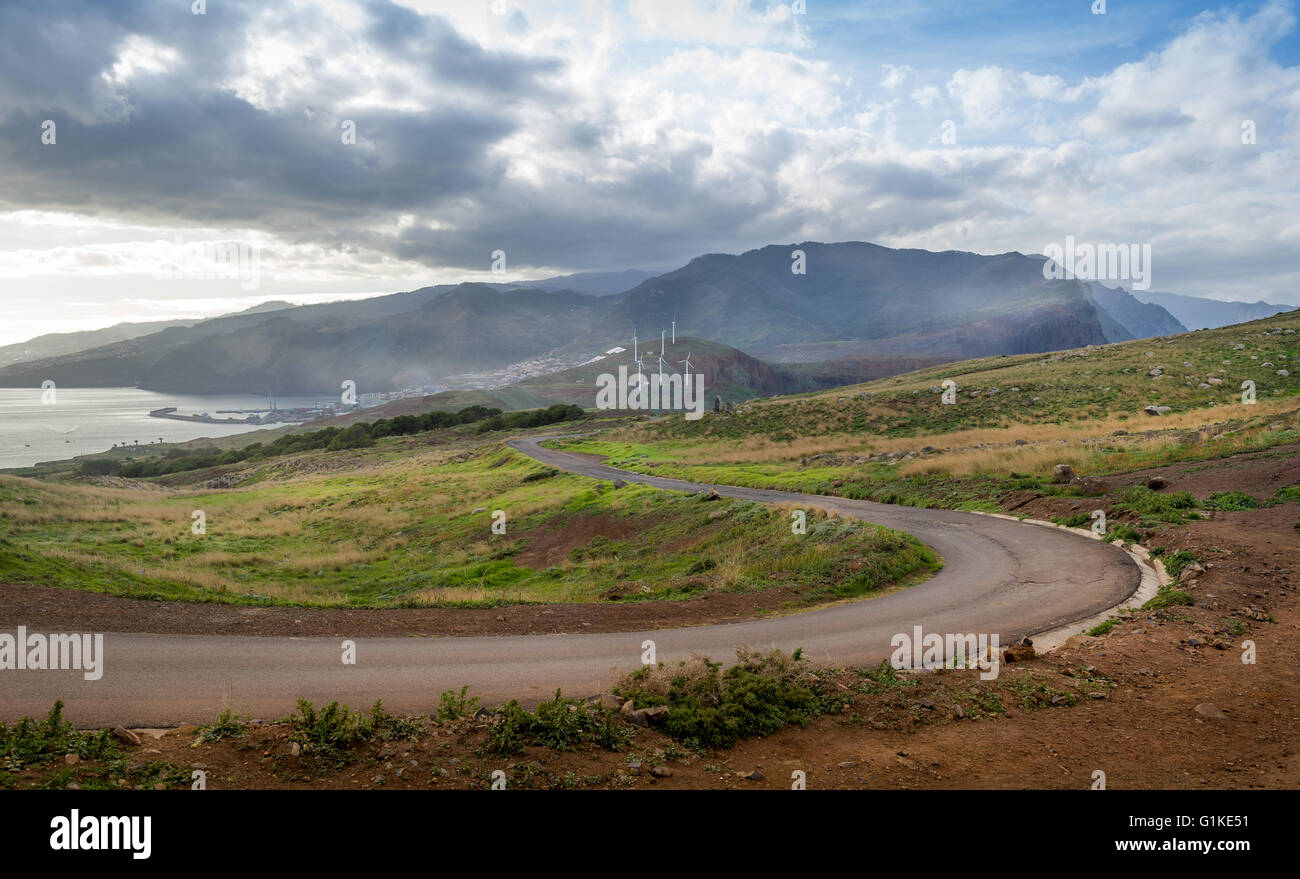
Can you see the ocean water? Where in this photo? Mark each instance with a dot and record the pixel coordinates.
(85, 420)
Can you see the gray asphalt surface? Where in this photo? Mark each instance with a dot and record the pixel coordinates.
(999, 576)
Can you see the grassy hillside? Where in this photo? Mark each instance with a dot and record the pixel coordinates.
(407, 520)
(403, 524)
(895, 439)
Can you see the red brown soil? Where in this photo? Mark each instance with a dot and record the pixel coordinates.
(550, 547)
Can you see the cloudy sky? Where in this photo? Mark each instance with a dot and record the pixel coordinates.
(586, 135)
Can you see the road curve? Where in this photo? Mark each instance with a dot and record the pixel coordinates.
(999, 576)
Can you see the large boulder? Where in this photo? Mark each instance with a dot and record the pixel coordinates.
(1062, 473)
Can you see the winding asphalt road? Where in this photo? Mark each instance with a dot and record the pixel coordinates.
(999, 576)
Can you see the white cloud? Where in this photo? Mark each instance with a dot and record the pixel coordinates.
(675, 127)
(894, 75)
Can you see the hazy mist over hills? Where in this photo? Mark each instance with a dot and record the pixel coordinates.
(862, 300)
(1197, 313)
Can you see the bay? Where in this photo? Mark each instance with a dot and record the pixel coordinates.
(86, 420)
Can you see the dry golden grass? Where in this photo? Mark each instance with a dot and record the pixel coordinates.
(452, 593)
(230, 559)
(762, 450)
(332, 561)
(200, 579)
(1044, 451)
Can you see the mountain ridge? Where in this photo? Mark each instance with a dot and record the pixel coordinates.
(875, 302)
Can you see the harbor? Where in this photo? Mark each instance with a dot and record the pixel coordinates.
(253, 416)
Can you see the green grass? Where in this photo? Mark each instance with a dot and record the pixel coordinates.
(1123, 531)
(884, 677)
(1034, 692)
(1175, 562)
(1231, 500)
(1171, 507)
(397, 527)
(1084, 405)
(1104, 627)
(1052, 388)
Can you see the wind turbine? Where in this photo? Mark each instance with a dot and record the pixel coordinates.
(640, 379)
(662, 333)
(661, 379)
(635, 355)
(674, 332)
(687, 361)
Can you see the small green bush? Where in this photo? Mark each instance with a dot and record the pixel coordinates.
(559, 723)
(227, 726)
(453, 705)
(1231, 500)
(714, 709)
(31, 742)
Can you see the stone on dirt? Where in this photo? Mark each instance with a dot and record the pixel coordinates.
(125, 736)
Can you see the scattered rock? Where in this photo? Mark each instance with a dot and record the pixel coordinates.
(1210, 710)
(125, 736)
(1157, 410)
(295, 749)
(624, 589)
(656, 713)
(71, 759)
(1091, 485)
(647, 716)
(661, 772)
(618, 483)
(634, 767)
(1021, 651)
(1155, 483)
(1062, 473)
(752, 776)
(609, 702)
